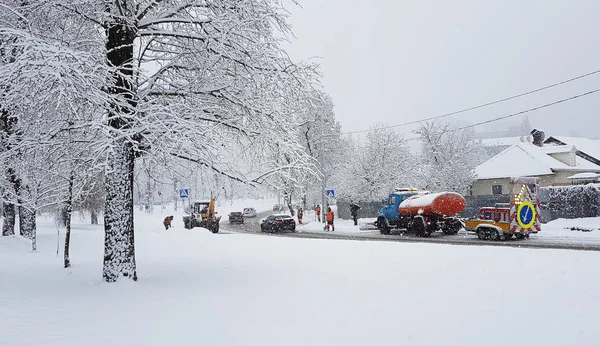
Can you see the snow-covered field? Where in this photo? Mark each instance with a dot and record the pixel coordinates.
(198, 288)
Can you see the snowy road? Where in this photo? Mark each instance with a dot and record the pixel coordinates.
(543, 240)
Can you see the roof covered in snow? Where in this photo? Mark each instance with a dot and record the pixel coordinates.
(587, 146)
(526, 159)
(502, 141)
(555, 149)
(584, 176)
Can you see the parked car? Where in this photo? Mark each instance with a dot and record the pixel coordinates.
(249, 212)
(236, 217)
(278, 207)
(278, 223)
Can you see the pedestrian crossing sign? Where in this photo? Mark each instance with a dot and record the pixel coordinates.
(330, 193)
(184, 193)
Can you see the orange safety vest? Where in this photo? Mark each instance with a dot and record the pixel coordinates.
(330, 216)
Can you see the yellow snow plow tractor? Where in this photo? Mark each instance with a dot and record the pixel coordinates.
(202, 214)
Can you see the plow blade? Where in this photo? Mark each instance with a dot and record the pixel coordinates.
(367, 225)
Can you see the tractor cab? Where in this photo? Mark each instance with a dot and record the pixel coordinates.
(203, 214)
(202, 209)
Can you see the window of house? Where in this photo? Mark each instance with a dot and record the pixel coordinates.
(496, 189)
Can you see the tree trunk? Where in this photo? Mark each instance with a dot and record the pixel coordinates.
(94, 217)
(149, 204)
(62, 216)
(68, 208)
(119, 245)
(27, 224)
(175, 197)
(8, 225)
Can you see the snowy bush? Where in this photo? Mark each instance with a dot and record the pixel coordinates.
(571, 202)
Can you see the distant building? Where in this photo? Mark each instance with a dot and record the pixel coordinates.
(503, 132)
(494, 146)
(556, 161)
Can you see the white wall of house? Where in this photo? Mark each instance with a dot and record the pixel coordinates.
(568, 158)
(484, 186)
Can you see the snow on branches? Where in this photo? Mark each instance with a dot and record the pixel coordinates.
(202, 81)
(448, 157)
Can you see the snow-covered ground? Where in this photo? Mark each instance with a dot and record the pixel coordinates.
(572, 229)
(196, 287)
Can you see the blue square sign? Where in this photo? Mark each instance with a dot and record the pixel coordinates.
(184, 193)
(330, 193)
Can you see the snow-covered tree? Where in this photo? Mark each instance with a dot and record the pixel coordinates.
(376, 166)
(202, 81)
(448, 157)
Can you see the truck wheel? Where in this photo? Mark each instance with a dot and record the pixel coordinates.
(418, 226)
(383, 227)
(508, 236)
(519, 235)
(494, 235)
(481, 234)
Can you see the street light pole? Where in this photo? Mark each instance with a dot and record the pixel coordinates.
(323, 182)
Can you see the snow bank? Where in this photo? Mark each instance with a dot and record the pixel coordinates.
(583, 228)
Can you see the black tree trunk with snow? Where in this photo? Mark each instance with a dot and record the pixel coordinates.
(119, 246)
(8, 125)
(68, 210)
(27, 224)
(8, 226)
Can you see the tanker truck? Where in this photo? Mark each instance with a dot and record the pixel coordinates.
(421, 212)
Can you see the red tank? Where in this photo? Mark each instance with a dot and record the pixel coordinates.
(442, 203)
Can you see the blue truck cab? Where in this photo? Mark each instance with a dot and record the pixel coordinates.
(388, 215)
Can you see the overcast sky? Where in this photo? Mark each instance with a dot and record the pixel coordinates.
(392, 61)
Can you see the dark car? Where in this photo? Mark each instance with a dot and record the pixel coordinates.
(278, 223)
(278, 207)
(236, 217)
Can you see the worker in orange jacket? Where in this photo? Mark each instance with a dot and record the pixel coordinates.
(318, 212)
(167, 222)
(330, 217)
(300, 214)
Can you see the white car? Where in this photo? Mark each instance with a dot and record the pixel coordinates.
(249, 212)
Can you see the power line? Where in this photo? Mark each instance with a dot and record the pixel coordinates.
(485, 104)
(522, 112)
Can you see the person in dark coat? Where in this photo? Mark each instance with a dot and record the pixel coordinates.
(354, 212)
